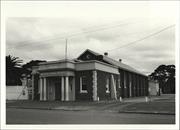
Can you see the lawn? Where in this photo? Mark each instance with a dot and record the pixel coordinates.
(58, 104)
(155, 107)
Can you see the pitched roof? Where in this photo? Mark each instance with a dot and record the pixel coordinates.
(121, 65)
(115, 63)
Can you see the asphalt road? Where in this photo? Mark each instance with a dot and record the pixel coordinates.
(35, 116)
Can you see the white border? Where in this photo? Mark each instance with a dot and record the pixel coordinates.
(5, 14)
(177, 49)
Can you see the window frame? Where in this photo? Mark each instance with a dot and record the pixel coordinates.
(81, 84)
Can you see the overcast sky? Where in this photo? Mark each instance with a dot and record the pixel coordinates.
(38, 31)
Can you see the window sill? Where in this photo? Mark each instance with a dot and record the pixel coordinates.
(83, 92)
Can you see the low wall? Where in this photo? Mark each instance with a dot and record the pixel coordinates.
(16, 93)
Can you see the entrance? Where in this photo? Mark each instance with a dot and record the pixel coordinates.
(57, 91)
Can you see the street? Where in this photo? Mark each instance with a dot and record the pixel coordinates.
(36, 116)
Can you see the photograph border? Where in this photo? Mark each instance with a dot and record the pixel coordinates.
(5, 15)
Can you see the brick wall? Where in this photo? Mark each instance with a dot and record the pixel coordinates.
(101, 85)
(89, 79)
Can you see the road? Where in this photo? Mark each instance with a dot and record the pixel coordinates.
(36, 116)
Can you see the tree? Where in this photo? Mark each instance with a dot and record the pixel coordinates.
(165, 74)
(27, 68)
(13, 70)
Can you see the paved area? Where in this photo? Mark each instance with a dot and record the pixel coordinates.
(36, 116)
(159, 110)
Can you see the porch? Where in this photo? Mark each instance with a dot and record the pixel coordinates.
(60, 88)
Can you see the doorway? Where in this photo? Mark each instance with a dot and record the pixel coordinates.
(57, 91)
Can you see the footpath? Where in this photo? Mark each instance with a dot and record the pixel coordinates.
(164, 104)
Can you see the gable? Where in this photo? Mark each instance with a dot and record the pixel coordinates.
(88, 55)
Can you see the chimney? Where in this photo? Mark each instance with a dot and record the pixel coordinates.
(120, 60)
(105, 53)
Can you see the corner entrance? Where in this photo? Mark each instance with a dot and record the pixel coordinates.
(61, 88)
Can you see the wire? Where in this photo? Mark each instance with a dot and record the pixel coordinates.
(64, 35)
(142, 39)
(24, 43)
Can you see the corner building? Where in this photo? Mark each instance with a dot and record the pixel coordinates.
(91, 77)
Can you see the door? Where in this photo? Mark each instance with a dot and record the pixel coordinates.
(57, 91)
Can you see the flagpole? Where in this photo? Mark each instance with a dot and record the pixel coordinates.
(66, 50)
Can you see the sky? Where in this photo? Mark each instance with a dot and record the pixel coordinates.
(37, 31)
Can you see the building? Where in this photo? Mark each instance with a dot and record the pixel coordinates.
(91, 76)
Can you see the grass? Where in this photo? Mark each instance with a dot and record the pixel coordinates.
(54, 104)
(164, 104)
(155, 106)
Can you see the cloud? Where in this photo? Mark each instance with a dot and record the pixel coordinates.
(108, 27)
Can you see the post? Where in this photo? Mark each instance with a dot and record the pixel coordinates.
(120, 99)
(147, 99)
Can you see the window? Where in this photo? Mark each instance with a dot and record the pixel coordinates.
(83, 85)
(107, 85)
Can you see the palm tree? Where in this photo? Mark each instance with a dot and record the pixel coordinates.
(13, 70)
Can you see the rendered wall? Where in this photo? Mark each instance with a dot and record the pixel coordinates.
(15, 93)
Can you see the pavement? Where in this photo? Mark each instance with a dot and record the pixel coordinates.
(164, 104)
(59, 117)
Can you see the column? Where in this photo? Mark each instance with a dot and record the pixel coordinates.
(41, 89)
(32, 87)
(125, 87)
(140, 86)
(62, 88)
(67, 88)
(45, 89)
(119, 85)
(134, 85)
(130, 85)
(137, 89)
(113, 88)
(73, 92)
(95, 86)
